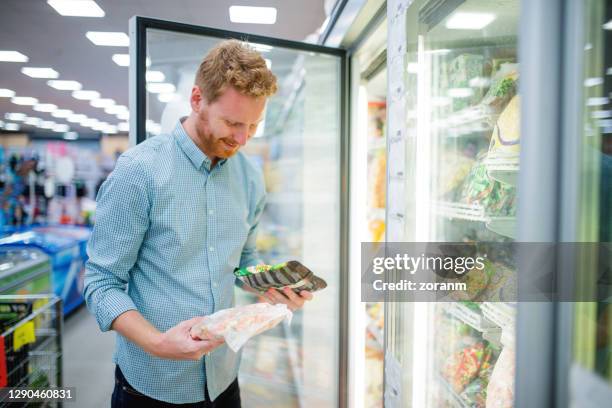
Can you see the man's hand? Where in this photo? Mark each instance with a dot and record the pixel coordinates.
(177, 343)
(288, 297)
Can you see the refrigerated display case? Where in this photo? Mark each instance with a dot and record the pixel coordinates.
(301, 149)
(454, 159)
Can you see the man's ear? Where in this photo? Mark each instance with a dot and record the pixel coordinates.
(196, 99)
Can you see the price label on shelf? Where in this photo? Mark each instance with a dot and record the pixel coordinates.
(23, 335)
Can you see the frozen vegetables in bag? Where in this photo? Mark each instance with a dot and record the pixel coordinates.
(238, 324)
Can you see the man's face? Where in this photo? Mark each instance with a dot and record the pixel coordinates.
(226, 124)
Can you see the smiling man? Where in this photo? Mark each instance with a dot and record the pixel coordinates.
(174, 219)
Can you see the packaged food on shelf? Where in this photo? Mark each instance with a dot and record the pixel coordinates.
(461, 70)
(500, 391)
(504, 86)
(290, 274)
(238, 324)
(377, 180)
(498, 199)
(377, 117)
(454, 170)
(506, 134)
(462, 368)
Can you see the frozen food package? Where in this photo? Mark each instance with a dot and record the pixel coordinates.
(290, 274)
(500, 391)
(237, 325)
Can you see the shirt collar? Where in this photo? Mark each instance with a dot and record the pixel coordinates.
(191, 150)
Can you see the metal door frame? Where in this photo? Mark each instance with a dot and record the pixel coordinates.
(138, 27)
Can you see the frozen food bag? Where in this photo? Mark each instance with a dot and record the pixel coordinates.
(237, 325)
(500, 392)
(290, 274)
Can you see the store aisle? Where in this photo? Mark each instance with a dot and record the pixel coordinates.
(87, 359)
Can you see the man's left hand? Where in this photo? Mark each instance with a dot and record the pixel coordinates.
(288, 297)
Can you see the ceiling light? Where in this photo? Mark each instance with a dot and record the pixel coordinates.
(123, 60)
(71, 135)
(608, 25)
(162, 87)
(44, 107)
(61, 128)
(469, 21)
(32, 121)
(166, 97)
(109, 39)
(115, 109)
(61, 113)
(13, 56)
(123, 115)
(12, 127)
(47, 124)
(24, 100)
(589, 82)
(89, 122)
(85, 95)
(123, 127)
(601, 114)
(6, 93)
(64, 85)
(252, 15)
(76, 118)
(102, 102)
(76, 8)
(15, 116)
(155, 76)
(110, 129)
(40, 72)
(261, 47)
(597, 101)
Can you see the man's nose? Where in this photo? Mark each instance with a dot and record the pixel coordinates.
(241, 136)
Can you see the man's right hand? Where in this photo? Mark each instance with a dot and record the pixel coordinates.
(177, 343)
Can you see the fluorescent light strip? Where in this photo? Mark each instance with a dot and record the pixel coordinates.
(76, 8)
(252, 15)
(61, 128)
(32, 121)
(102, 102)
(162, 87)
(47, 124)
(108, 39)
(85, 95)
(115, 109)
(71, 136)
(123, 127)
(469, 21)
(38, 72)
(65, 85)
(123, 115)
(155, 76)
(123, 60)
(166, 97)
(15, 116)
(13, 56)
(24, 100)
(6, 93)
(12, 127)
(44, 107)
(61, 113)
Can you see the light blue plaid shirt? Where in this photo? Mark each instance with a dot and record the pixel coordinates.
(169, 232)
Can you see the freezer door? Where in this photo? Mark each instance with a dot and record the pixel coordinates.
(301, 149)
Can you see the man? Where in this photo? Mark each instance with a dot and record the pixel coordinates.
(174, 219)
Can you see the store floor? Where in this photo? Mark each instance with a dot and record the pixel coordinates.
(88, 365)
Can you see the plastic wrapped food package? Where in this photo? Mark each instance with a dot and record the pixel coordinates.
(237, 325)
(290, 274)
(500, 392)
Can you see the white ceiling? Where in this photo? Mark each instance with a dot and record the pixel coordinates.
(35, 29)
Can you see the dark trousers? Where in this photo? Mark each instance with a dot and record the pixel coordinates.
(124, 396)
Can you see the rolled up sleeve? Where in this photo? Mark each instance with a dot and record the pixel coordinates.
(122, 220)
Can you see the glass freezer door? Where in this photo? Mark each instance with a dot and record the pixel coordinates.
(454, 124)
(300, 149)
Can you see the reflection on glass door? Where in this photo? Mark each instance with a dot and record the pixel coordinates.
(297, 146)
(460, 86)
(592, 337)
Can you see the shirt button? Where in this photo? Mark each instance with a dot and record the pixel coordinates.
(211, 249)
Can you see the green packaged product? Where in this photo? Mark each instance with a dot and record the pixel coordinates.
(290, 274)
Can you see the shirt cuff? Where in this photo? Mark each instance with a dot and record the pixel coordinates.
(111, 306)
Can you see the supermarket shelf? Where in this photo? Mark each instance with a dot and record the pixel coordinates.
(467, 122)
(503, 168)
(470, 317)
(456, 398)
(503, 314)
(473, 212)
